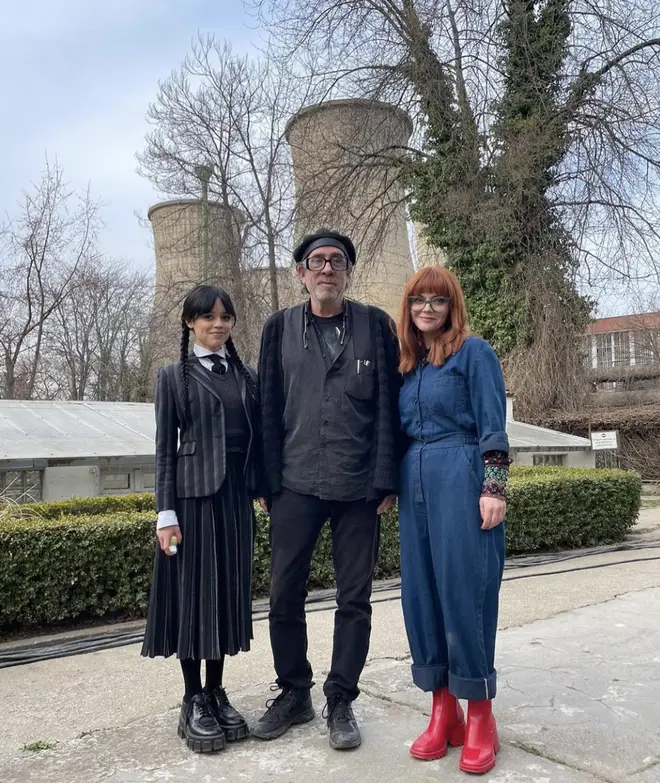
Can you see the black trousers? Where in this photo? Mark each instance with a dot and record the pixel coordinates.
(295, 524)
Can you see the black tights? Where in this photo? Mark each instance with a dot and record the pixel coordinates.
(192, 675)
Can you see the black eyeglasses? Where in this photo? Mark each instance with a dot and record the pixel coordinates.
(339, 262)
(418, 303)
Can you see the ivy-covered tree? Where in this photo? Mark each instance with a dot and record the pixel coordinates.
(495, 218)
(537, 150)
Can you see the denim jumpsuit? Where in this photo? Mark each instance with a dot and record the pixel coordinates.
(451, 570)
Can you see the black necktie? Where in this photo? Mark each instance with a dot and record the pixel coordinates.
(218, 364)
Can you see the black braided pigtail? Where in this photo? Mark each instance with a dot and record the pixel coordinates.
(236, 359)
(185, 343)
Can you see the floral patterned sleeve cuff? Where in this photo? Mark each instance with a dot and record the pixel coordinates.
(496, 474)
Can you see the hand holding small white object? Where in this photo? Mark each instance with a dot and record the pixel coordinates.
(169, 538)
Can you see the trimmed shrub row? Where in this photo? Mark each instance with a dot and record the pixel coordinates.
(93, 557)
(103, 504)
(568, 508)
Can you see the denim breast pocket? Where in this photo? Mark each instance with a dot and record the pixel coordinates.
(449, 395)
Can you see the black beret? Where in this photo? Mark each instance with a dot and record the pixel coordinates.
(324, 237)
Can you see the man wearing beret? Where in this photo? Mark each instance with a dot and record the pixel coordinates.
(329, 401)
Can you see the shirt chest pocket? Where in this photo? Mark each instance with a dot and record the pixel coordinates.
(360, 385)
(448, 396)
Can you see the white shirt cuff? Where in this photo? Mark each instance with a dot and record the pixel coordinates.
(166, 519)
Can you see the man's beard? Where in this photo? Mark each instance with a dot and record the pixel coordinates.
(328, 293)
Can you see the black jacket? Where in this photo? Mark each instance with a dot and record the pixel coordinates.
(196, 468)
(388, 443)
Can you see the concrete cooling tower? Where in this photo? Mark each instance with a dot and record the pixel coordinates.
(425, 254)
(345, 173)
(196, 241)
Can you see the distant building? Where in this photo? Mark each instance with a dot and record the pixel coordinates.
(58, 450)
(345, 171)
(623, 352)
(532, 445)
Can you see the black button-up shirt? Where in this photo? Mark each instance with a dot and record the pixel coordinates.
(329, 413)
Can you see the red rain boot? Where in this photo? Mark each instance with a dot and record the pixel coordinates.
(446, 726)
(481, 740)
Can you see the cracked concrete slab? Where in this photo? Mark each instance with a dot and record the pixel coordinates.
(649, 775)
(577, 703)
(149, 751)
(583, 687)
(130, 687)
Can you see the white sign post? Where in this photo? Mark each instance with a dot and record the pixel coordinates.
(601, 441)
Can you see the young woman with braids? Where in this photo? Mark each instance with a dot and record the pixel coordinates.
(208, 471)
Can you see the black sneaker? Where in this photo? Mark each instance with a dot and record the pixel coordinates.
(231, 721)
(343, 730)
(199, 726)
(288, 709)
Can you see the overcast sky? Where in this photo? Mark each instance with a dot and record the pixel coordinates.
(78, 77)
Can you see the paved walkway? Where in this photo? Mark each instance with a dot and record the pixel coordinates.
(579, 696)
(579, 701)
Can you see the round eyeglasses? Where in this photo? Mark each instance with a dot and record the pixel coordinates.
(437, 303)
(316, 263)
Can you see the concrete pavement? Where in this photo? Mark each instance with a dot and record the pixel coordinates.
(579, 701)
(579, 695)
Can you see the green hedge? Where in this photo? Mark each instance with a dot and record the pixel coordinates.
(93, 557)
(564, 508)
(67, 568)
(104, 504)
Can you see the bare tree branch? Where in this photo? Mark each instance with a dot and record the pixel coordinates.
(43, 249)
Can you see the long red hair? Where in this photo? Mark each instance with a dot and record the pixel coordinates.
(438, 281)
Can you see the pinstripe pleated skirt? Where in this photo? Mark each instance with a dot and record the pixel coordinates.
(200, 604)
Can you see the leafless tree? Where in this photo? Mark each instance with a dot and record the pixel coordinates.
(42, 250)
(442, 60)
(230, 112)
(101, 338)
(537, 134)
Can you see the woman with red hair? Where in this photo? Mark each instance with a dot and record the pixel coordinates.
(451, 506)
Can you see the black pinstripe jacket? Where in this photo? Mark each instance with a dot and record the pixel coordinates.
(190, 445)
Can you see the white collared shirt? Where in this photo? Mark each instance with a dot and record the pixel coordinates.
(201, 353)
(168, 517)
